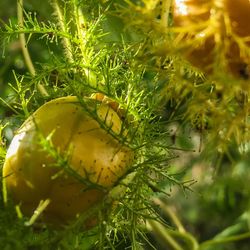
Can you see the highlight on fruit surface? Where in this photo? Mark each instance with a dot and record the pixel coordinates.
(212, 28)
(66, 157)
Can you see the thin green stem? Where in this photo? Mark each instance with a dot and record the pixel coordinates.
(81, 26)
(190, 241)
(164, 234)
(22, 39)
(224, 240)
(181, 233)
(65, 41)
(168, 211)
(41, 207)
(25, 50)
(166, 5)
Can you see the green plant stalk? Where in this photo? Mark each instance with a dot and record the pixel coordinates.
(25, 50)
(65, 41)
(166, 5)
(18, 212)
(8, 105)
(163, 233)
(181, 233)
(102, 230)
(224, 240)
(41, 207)
(187, 237)
(171, 214)
(81, 26)
(232, 230)
(4, 191)
(172, 234)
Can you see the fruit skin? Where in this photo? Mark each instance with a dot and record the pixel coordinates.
(193, 12)
(94, 154)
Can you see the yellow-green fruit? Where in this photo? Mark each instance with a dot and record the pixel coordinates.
(32, 173)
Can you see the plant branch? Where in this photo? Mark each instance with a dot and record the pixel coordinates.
(181, 233)
(25, 50)
(65, 41)
(168, 211)
(225, 240)
(163, 233)
(82, 31)
(41, 207)
(166, 5)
